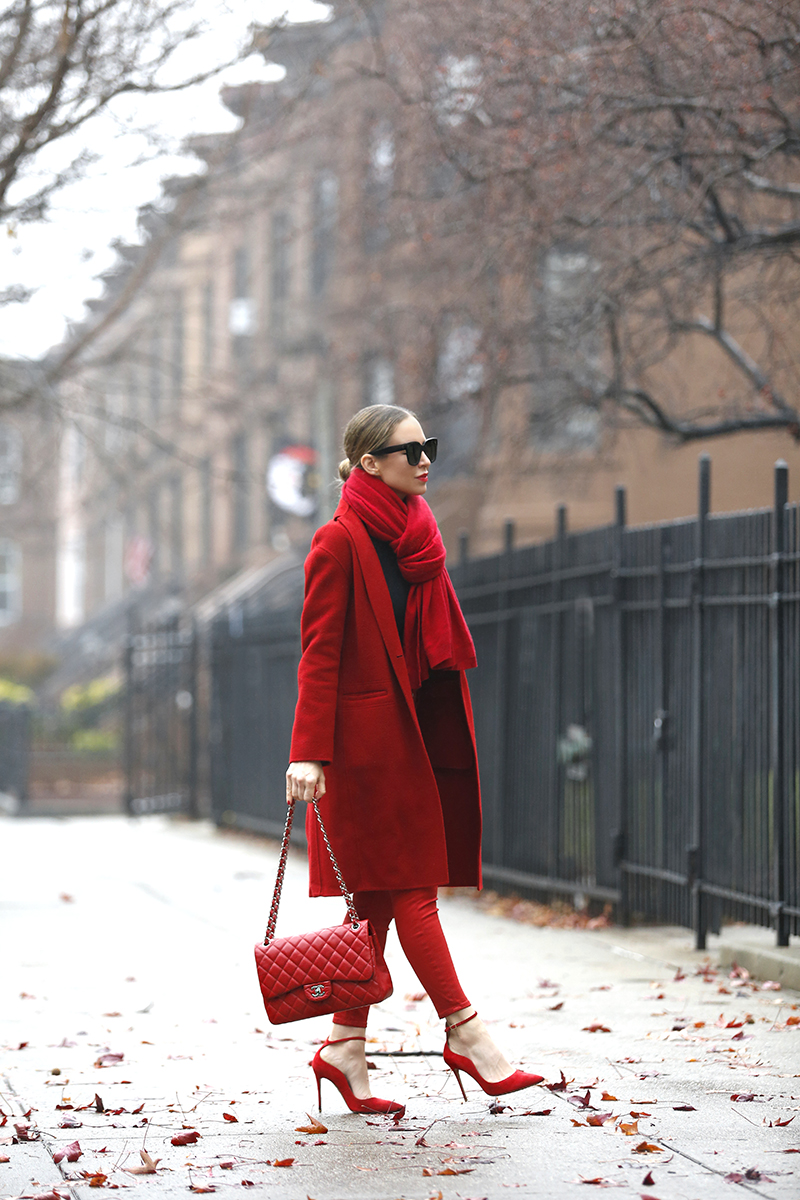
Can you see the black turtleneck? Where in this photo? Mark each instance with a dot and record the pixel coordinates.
(397, 585)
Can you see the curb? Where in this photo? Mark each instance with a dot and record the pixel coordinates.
(781, 963)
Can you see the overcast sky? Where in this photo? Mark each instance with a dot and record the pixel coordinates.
(62, 257)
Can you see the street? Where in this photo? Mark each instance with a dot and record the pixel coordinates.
(131, 1016)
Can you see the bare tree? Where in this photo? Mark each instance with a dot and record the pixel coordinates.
(637, 166)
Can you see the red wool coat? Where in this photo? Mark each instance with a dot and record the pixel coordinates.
(402, 807)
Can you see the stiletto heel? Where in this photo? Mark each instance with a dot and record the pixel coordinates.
(325, 1070)
(457, 1074)
(458, 1062)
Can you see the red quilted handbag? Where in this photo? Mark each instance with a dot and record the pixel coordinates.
(327, 971)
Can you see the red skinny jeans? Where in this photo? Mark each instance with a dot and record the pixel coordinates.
(416, 918)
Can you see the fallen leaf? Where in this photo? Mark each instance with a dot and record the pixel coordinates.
(136, 1111)
(109, 1059)
(71, 1153)
(247, 1183)
(770, 986)
(148, 1166)
(4, 1158)
(683, 1108)
(607, 1096)
(556, 1007)
(639, 1116)
(495, 1108)
(185, 1139)
(230, 1117)
(788, 1121)
(741, 1097)
(648, 1180)
(561, 1086)
(313, 1126)
(202, 1187)
(599, 1118)
(70, 1123)
(580, 1101)
(226, 1166)
(281, 1162)
(96, 1181)
(596, 1027)
(647, 1148)
(540, 1112)
(629, 1128)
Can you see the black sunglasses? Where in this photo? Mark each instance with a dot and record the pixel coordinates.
(414, 450)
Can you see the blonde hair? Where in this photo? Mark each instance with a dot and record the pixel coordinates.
(369, 429)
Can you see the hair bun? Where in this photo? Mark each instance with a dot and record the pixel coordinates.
(345, 468)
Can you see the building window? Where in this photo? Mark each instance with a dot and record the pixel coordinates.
(132, 391)
(156, 365)
(280, 276)
(10, 581)
(176, 526)
(378, 380)
(379, 184)
(177, 352)
(460, 366)
(458, 90)
(567, 354)
(241, 494)
(242, 311)
(324, 211)
(206, 501)
(208, 326)
(154, 529)
(10, 464)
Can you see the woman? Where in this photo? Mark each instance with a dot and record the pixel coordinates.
(383, 731)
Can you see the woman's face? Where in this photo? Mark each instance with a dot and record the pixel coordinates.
(394, 469)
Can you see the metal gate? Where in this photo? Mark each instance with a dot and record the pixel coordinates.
(161, 720)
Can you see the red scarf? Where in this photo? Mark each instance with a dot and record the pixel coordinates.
(436, 636)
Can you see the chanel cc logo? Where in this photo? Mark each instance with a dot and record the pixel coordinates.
(318, 991)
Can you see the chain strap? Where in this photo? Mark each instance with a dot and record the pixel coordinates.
(276, 895)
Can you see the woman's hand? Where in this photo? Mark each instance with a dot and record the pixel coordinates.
(305, 781)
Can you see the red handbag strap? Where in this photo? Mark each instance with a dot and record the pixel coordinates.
(276, 895)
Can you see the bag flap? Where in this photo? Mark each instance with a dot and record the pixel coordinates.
(339, 952)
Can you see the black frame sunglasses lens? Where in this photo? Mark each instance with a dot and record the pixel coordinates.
(415, 450)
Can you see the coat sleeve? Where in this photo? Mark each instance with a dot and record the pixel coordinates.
(327, 595)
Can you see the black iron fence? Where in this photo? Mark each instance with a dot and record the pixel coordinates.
(15, 748)
(638, 711)
(637, 705)
(161, 743)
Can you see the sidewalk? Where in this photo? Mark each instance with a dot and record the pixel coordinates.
(133, 939)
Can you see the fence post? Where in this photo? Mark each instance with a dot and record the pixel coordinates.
(129, 717)
(620, 834)
(463, 546)
(777, 706)
(501, 697)
(695, 863)
(194, 680)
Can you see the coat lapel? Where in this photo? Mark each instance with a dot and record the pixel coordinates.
(378, 593)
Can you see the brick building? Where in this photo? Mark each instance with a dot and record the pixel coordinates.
(29, 454)
(327, 257)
